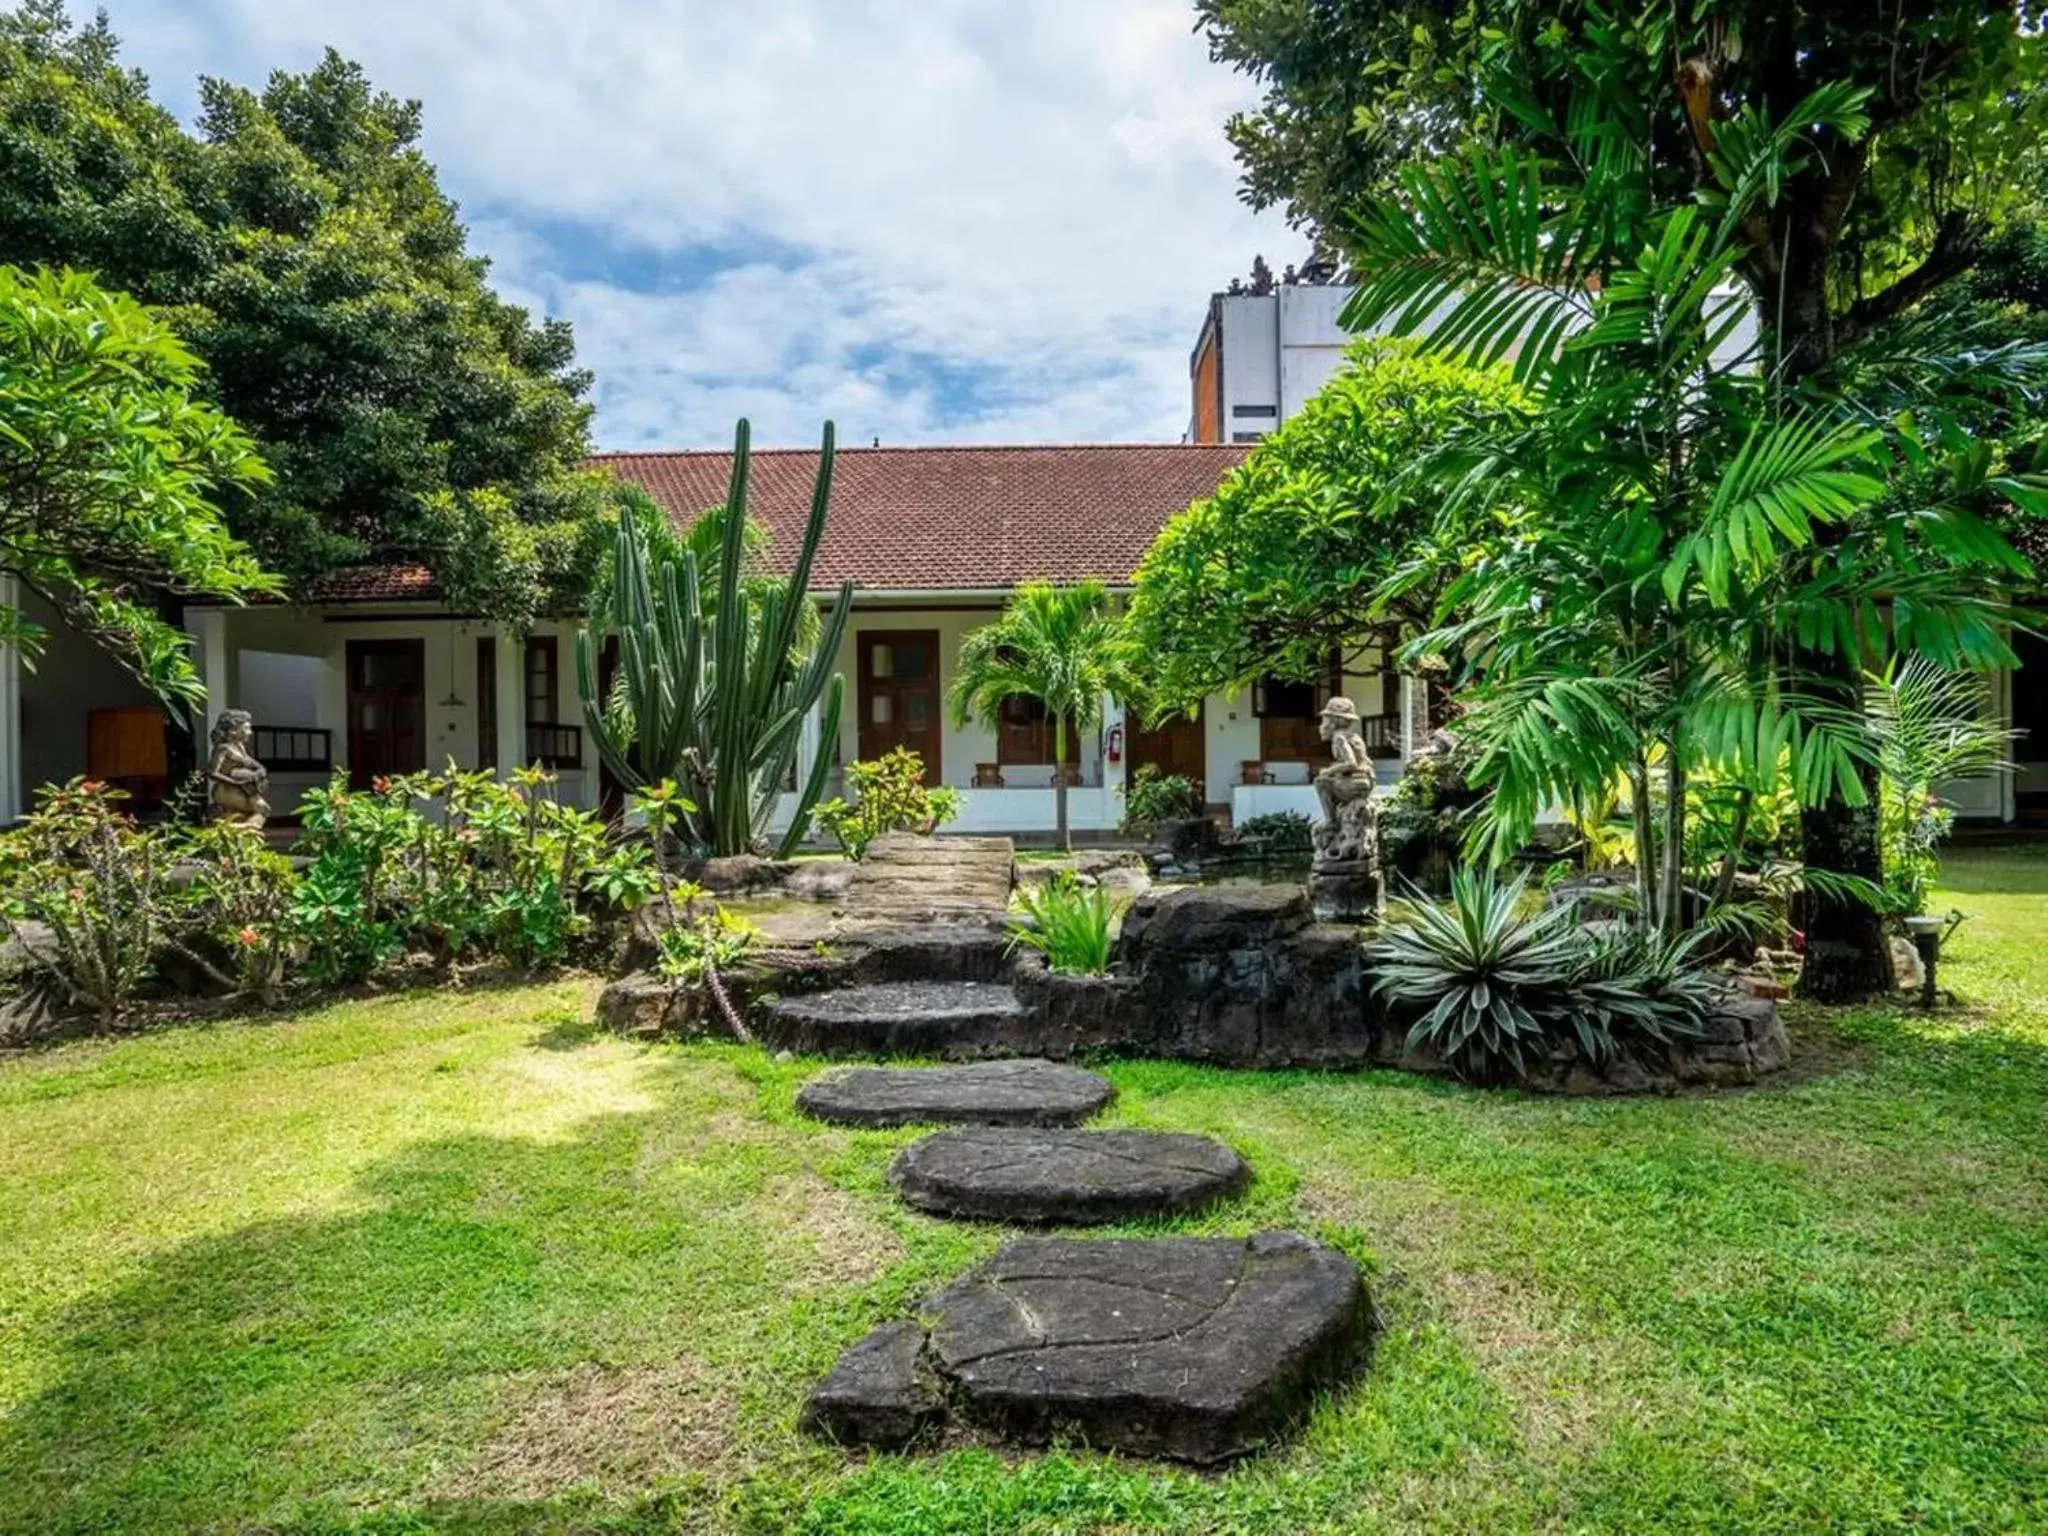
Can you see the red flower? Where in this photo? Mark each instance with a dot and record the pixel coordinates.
(249, 938)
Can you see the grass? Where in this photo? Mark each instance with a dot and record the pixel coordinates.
(458, 1264)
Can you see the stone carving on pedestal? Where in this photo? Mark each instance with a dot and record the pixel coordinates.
(1344, 879)
(235, 781)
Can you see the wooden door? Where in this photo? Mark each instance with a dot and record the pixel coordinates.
(387, 709)
(1174, 747)
(899, 695)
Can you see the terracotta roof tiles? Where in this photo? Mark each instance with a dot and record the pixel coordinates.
(953, 519)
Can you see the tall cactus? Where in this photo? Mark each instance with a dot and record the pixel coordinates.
(718, 701)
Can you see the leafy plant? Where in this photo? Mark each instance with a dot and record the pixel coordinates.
(1483, 984)
(700, 942)
(108, 457)
(235, 914)
(92, 883)
(889, 795)
(1155, 799)
(715, 686)
(1932, 728)
(1066, 922)
(1492, 989)
(1636, 591)
(1278, 834)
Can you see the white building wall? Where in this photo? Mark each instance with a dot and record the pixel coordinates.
(1251, 365)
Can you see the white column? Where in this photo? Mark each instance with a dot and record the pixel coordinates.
(11, 804)
(1407, 717)
(809, 737)
(511, 697)
(210, 652)
(1111, 793)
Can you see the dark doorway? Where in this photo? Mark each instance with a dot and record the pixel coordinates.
(899, 695)
(1174, 747)
(386, 709)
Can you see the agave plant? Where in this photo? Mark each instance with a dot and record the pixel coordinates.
(717, 684)
(1640, 986)
(1483, 983)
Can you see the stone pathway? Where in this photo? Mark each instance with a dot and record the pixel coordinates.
(1200, 1349)
(896, 1018)
(1066, 1177)
(1029, 1091)
(1197, 1349)
(904, 878)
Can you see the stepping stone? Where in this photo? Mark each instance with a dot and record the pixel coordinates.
(897, 1018)
(882, 1392)
(1074, 1178)
(1199, 1349)
(1027, 1092)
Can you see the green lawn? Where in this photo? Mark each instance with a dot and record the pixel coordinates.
(452, 1263)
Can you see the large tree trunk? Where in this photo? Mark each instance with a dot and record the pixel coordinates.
(1848, 957)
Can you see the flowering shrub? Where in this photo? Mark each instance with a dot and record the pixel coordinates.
(84, 895)
(889, 796)
(451, 866)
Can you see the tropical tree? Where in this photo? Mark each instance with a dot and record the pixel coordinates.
(108, 470)
(1062, 646)
(1275, 571)
(1884, 208)
(1646, 569)
(301, 244)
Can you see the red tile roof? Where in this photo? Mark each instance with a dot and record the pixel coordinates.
(915, 519)
(953, 519)
(372, 584)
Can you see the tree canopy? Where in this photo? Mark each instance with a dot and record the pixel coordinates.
(1356, 91)
(299, 240)
(1277, 569)
(108, 467)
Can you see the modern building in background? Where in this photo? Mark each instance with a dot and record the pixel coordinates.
(1265, 347)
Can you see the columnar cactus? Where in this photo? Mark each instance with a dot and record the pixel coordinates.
(718, 701)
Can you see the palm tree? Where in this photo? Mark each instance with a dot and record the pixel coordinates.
(1644, 561)
(1059, 645)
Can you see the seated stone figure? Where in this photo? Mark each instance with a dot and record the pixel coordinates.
(235, 781)
(1344, 881)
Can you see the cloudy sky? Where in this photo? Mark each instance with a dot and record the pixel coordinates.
(933, 220)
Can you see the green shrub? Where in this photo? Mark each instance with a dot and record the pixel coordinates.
(698, 944)
(1066, 922)
(1279, 834)
(1492, 989)
(79, 867)
(1156, 799)
(889, 795)
(235, 911)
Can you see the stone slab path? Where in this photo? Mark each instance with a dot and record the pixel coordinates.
(1199, 1349)
(904, 878)
(1031, 1092)
(1074, 1178)
(895, 1018)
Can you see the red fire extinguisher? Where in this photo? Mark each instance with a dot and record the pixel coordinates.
(1114, 751)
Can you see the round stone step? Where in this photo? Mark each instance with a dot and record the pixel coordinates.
(1027, 1092)
(1200, 1349)
(1072, 1178)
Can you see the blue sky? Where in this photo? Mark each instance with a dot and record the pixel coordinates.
(934, 220)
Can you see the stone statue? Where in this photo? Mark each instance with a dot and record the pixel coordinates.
(1344, 879)
(235, 781)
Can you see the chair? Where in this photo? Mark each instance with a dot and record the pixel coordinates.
(987, 776)
(1253, 771)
